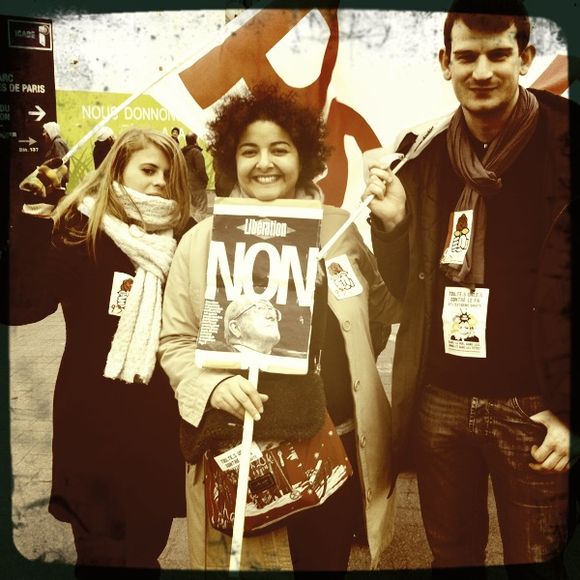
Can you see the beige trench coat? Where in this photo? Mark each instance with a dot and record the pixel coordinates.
(183, 305)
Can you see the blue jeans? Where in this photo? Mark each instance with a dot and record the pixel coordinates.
(461, 441)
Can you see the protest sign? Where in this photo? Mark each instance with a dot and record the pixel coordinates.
(261, 277)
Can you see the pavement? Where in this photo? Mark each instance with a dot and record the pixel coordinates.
(34, 352)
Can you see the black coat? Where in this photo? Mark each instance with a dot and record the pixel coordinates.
(100, 150)
(113, 443)
(195, 167)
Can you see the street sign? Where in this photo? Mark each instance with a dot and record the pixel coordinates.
(27, 97)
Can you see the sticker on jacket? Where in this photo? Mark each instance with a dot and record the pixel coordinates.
(464, 321)
(342, 279)
(458, 237)
(120, 289)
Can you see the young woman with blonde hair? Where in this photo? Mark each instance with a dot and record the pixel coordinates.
(103, 254)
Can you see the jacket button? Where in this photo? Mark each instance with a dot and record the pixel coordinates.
(421, 275)
(356, 385)
(369, 495)
(346, 325)
(362, 441)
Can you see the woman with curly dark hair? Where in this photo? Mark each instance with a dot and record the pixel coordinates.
(272, 147)
(304, 127)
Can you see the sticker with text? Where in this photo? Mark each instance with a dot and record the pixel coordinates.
(464, 321)
(230, 459)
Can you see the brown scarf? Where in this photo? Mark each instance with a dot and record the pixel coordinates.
(482, 178)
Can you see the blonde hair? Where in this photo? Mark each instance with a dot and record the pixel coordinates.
(99, 184)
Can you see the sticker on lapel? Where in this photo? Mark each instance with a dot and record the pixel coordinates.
(458, 237)
(120, 289)
(342, 280)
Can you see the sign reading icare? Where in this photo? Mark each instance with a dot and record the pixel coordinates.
(27, 93)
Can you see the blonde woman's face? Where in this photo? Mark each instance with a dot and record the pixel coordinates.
(267, 162)
(147, 171)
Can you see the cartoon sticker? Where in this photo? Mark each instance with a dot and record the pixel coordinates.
(342, 279)
(120, 289)
(459, 237)
(464, 321)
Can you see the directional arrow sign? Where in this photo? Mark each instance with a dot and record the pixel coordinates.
(39, 113)
(30, 141)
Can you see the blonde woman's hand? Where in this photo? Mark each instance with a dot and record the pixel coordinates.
(236, 395)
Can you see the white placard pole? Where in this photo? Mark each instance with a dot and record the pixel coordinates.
(362, 206)
(242, 489)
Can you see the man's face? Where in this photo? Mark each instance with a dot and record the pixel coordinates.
(257, 327)
(484, 68)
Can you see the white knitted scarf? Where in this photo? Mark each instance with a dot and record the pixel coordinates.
(134, 347)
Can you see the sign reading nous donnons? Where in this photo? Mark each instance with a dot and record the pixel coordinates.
(261, 278)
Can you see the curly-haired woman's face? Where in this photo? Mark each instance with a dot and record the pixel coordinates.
(267, 162)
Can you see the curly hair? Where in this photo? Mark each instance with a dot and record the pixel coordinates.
(303, 124)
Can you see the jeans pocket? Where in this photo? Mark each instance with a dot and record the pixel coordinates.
(528, 405)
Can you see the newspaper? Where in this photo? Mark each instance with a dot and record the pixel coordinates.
(261, 277)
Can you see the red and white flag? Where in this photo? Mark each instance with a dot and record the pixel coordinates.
(360, 68)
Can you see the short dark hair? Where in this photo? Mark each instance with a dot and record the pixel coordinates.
(191, 139)
(303, 124)
(489, 16)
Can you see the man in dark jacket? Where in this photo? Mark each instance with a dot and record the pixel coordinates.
(197, 175)
(476, 231)
(104, 140)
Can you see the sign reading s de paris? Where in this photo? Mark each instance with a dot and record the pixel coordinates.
(261, 278)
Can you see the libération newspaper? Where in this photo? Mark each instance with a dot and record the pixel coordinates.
(261, 278)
